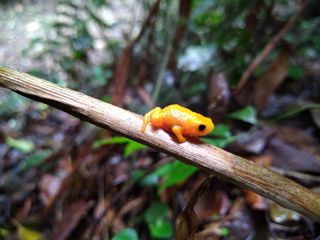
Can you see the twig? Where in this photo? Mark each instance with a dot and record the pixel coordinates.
(123, 64)
(270, 46)
(232, 168)
(184, 14)
(302, 176)
(166, 55)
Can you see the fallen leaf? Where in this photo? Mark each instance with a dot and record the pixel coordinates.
(22, 145)
(219, 95)
(212, 202)
(121, 75)
(72, 215)
(289, 157)
(49, 188)
(186, 224)
(126, 234)
(270, 80)
(255, 200)
(246, 114)
(302, 139)
(132, 206)
(25, 233)
(255, 142)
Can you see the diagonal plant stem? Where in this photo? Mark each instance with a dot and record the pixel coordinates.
(226, 165)
(270, 46)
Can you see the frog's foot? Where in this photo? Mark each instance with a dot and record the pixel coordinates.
(177, 131)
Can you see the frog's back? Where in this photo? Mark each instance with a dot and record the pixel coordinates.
(176, 115)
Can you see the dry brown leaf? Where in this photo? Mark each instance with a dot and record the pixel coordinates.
(211, 231)
(289, 157)
(101, 206)
(253, 143)
(218, 94)
(254, 200)
(121, 75)
(186, 224)
(23, 213)
(212, 202)
(132, 205)
(72, 215)
(270, 80)
(300, 138)
(49, 188)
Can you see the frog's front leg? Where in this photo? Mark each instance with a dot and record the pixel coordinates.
(177, 131)
(147, 117)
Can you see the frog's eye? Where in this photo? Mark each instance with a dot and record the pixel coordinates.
(202, 127)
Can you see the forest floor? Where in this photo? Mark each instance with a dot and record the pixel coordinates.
(20, 23)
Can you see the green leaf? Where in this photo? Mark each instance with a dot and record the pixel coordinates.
(131, 146)
(219, 142)
(156, 211)
(221, 130)
(98, 3)
(150, 180)
(4, 232)
(156, 217)
(106, 98)
(295, 110)
(171, 173)
(224, 232)
(25, 233)
(295, 72)
(107, 141)
(247, 114)
(12, 103)
(33, 160)
(162, 228)
(22, 145)
(137, 174)
(222, 135)
(126, 234)
(100, 76)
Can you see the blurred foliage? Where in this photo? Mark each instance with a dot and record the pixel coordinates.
(126, 234)
(130, 145)
(156, 216)
(247, 114)
(25, 233)
(171, 174)
(33, 160)
(22, 145)
(220, 137)
(233, 27)
(72, 40)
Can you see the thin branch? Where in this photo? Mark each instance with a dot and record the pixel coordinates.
(230, 167)
(184, 14)
(167, 52)
(270, 46)
(122, 68)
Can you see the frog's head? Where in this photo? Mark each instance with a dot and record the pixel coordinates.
(200, 126)
(205, 126)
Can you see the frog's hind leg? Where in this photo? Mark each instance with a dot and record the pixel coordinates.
(177, 131)
(148, 116)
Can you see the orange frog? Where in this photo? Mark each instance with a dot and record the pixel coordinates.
(179, 120)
